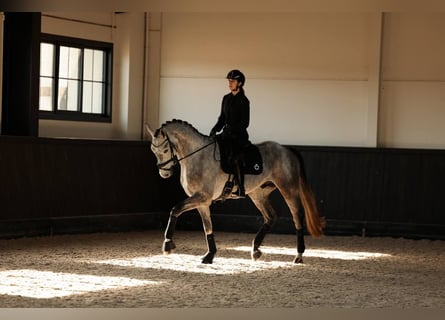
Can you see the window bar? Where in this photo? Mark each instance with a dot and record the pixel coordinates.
(80, 86)
(56, 78)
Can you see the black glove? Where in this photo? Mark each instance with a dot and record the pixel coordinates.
(212, 133)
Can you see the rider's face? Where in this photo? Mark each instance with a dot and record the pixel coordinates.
(233, 84)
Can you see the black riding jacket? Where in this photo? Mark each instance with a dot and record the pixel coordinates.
(234, 117)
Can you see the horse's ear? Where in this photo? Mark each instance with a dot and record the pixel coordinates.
(149, 130)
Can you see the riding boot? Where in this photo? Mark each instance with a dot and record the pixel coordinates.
(242, 191)
(240, 180)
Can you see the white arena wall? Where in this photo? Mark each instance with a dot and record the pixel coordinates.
(332, 79)
(365, 79)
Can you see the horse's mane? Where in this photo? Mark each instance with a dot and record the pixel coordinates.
(179, 122)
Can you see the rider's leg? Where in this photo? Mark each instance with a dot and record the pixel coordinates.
(239, 178)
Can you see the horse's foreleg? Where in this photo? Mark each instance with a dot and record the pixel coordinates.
(210, 238)
(211, 249)
(186, 205)
(169, 244)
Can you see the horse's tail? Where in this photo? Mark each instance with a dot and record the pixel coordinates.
(315, 224)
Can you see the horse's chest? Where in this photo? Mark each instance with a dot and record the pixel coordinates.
(190, 180)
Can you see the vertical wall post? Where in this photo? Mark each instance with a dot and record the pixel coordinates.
(153, 72)
(21, 65)
(374, 76)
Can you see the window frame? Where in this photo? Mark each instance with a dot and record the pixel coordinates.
(107, 48)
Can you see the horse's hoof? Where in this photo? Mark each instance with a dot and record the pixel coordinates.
(208, 259)
(256, 254)
(298, 259)
(168, 247)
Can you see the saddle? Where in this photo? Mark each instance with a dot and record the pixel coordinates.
(251, 161)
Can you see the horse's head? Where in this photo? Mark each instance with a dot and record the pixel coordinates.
(163, 150)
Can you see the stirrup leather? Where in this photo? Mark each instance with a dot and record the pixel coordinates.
(228, 187)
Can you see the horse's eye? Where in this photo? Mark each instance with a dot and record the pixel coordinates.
(165, 151)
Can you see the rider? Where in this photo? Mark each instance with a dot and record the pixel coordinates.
(234, 120)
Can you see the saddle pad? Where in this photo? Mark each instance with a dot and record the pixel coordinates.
(252, 162)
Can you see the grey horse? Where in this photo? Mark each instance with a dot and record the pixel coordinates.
(203, 180)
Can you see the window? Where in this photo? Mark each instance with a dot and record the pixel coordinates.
(75, 79)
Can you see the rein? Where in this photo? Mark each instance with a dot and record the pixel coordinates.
(174, 158)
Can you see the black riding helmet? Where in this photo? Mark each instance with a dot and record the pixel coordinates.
(237, 75)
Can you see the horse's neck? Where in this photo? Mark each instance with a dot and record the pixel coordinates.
(186, 143)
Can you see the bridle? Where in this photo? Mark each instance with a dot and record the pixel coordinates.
(174, 157)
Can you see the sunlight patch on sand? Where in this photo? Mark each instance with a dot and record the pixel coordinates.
(192, 263)
(318, 253)
(46, 284)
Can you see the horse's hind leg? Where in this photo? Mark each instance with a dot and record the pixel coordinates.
(261, 234)
(300, 246)
(261, 200)
(291, 200)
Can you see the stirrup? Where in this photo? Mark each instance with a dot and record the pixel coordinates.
(238, 193)
(242, 193)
